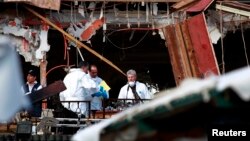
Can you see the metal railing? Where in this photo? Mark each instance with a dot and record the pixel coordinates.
(88, 107)
(118, 105)
(109, 106)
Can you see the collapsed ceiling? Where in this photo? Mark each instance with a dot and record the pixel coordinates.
(81, 19)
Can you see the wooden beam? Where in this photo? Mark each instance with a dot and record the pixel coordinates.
(183, 3)
(43, 71)
(172, 46)
(182, 51)
(233, 10)
(200, 6)
(46, 92)
(190, 49)
(203, 48)
(43, 80)
(71, 38)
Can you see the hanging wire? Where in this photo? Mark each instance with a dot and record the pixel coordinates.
(127, 16)
(80, 53)
(244, 44)
(68, 58)
(114, 7)
(104, 9)
(65, 47)
(151, 15)
(211, 70)
(97, 8)
(85, 9)
(222, 45)
(74, 15)
(104, 25)
(168, 17)
(71, 13)
(172, 18)
(50, 14)
(17, 10)
(138, 15)
(129, 47)
(56, 67)
(147, 12)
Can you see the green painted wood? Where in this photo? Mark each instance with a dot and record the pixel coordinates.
(163, 109)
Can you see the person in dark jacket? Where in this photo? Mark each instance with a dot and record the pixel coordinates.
(31, 86)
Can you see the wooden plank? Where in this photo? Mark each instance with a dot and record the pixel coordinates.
(237, 5)
(202, 45)
(183, 3)
(43, 78)
(233, 10)
(174, 54)
(200, 6)
(190, 50)
(184, 59)
(47, 92)
(43, 71)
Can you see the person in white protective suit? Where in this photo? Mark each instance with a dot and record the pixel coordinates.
(134, 89)
(79, 88)
(96, 103)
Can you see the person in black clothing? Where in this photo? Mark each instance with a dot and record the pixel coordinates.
(31, 86)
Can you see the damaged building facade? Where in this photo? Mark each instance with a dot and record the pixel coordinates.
(164, 41)
(92, 27)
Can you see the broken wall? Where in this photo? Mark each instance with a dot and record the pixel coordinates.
(191, 51)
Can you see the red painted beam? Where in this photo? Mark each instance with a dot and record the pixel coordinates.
(202, 45)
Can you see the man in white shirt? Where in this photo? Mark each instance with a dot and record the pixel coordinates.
(79, 88)
(134, 89)
(96, 103)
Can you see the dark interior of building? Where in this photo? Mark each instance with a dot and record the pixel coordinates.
(234, 52)
(137, 49)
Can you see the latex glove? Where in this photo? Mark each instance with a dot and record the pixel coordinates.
(101, 93)
(104, 93)
(102, 89)
(98, 94)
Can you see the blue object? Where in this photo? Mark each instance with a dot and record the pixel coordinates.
(101, 93)
(98, 94)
